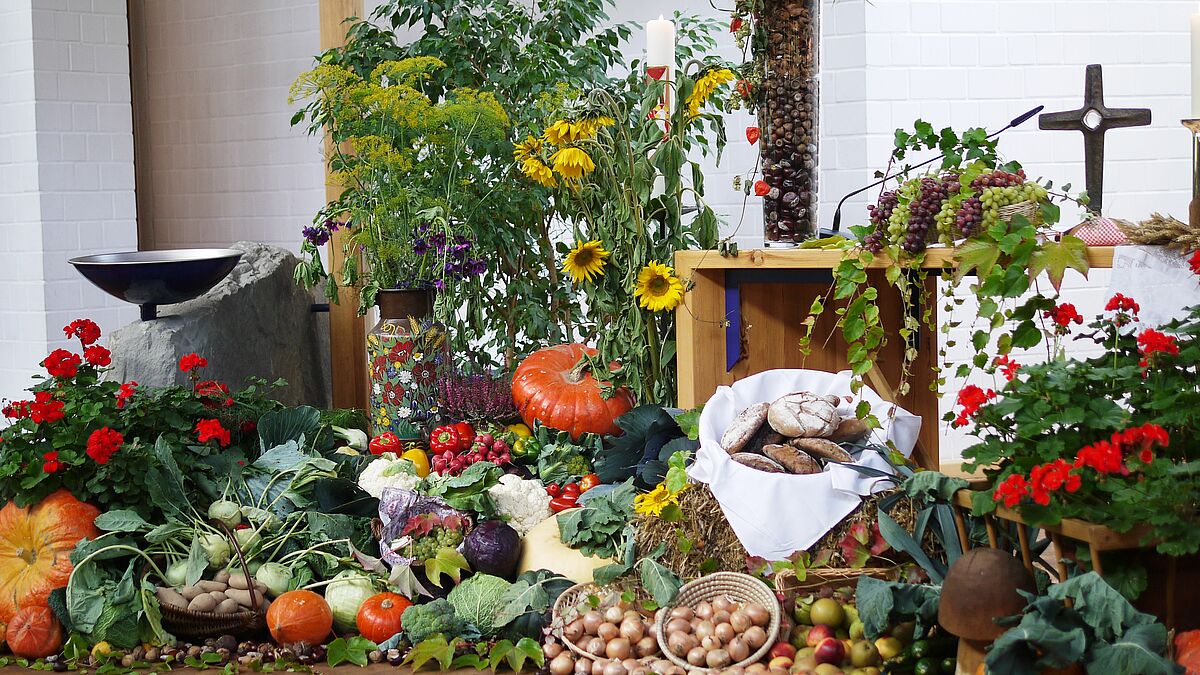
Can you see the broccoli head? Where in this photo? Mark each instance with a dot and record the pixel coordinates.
(423, 621)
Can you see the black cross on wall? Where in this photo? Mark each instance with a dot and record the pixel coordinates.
(1093, 119)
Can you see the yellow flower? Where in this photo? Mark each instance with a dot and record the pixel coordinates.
(530, 147)
(537, 171)
(563, 132)
(658, 288)
(704, 88)
(653, 502)
(586, 260)
(572, 163)
(589, 127)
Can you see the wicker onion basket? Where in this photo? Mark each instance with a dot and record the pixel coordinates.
(742, 588)
(568, 607)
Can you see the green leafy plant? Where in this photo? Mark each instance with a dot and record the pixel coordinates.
(601, 527)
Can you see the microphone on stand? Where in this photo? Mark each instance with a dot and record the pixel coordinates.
(837, 214)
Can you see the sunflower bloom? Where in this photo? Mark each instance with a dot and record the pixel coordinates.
(588, 128)
(563, 132)
(537, 171)
(530, 147)
(658, 289)
(572, 163)
(705, 87)
(586, 261)
(653, 503)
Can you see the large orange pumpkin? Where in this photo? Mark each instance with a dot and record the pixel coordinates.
(554, 387)
(379, 617)
(34, 633)
(299, 616)
(35, 548)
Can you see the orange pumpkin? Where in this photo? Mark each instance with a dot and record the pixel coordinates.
(35, 548)
(553, 386)
(1187, 651)
(34, 633)
(299, 616)
(379, 617)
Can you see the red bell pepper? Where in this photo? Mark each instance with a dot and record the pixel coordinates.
(553, 489)
(466, 432)
(560, 504)
(588, 482)
(385, 442)
(571, 490)
(447, 439)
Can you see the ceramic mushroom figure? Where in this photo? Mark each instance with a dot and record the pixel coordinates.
(980, 587)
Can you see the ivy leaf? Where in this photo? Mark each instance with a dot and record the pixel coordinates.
(1054, 258)
(448, 562)
(435, 649)
(349, 650)
(975, 255)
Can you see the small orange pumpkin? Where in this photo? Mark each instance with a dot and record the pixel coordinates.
(553, 386)
(35, 548)
(34, 633)
(379, 617)
(299, 616)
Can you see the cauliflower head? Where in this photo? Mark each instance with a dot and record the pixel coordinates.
(524, 503)
(387, 471)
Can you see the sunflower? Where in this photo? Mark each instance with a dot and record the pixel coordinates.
(537, 171)
(658, 288)
(530, 147)
(704, 88)
(563, 132)
(653, 503)
(585, 261)
(572, 163)
(589, 127)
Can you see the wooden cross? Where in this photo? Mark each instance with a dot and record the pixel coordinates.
(1093, 119)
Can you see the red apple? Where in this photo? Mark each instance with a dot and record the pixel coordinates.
(783, 649)
(831, 651)
(819, 633)
(781, 662)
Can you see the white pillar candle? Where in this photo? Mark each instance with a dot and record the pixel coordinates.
(660, 43)
(1195, 65)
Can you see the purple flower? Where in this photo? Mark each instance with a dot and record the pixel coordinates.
(317, 236)
(476, 266)
(439, 284)
(420, 246)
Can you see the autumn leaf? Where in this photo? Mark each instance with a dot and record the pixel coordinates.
(1054, 258)
(975, 255)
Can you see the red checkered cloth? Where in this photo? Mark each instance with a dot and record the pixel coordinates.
(1100, 232)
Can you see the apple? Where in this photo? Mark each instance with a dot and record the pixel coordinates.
(856, 630)
(799, 636)
(818, 633)
(827, 669)
(783, 649)
(863, 654)
(831, 650)
(888, 647)
(783, 662)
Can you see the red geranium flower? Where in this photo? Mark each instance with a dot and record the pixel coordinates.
(971, 398)
(207, 430)
(761, 188)
(1007, 366)
(1063, 316)
(45, 408)
(1125, 307)
(189, 362)
(735, 24)
(1011, 490)
(62, 363)
(124, 393)
(85, 329)
(97, 356)
(249, 427)
(51, 463)
(753, 134)
(16, 410)
(213, 389)
(103, 443)
(1151, 342)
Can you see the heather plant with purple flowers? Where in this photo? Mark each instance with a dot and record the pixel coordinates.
(476, 396)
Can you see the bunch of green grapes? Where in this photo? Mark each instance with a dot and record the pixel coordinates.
(427, 546)
(992, 199)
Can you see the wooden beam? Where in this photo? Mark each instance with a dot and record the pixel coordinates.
(795, 258)
(347, 330)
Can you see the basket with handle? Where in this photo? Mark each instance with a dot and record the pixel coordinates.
(574, 602)
(817, 578)
(1027, 208)
(209, 624)
(741, 588)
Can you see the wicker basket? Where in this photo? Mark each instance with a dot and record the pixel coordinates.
(566, 610)
(740, 587)
(830, 577)
(211, 624)
(1027, 208)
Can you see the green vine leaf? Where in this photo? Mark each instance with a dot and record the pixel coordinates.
(448, 562)
(976, 255)
(1054, 258)
(436, 649)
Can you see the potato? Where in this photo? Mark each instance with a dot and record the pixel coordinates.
(190, 592)
(227, 606)
(171, 598)
(202, 603)
(243, 596)
(209, 586)
(238, 581)
(221, 576)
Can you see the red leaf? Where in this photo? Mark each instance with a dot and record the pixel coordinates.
(854, 552)
(878, 543)
(753, 134)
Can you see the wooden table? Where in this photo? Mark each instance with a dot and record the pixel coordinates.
(756, 303)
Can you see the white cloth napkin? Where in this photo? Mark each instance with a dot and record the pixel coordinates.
(774, 514)
(1158, 278)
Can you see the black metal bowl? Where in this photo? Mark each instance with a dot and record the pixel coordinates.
(152, 278)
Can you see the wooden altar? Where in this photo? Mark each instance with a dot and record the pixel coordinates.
(743, 315)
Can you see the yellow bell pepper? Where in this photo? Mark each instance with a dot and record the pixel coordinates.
(420, 460)
(521, 430)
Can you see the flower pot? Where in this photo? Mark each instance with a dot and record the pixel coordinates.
(407, 351)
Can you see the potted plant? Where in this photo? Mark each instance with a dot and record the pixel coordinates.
(1110, 440)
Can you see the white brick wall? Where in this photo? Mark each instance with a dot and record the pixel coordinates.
(226, 165)
(67, 151)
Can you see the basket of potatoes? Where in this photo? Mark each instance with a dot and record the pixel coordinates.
(229, 603)
(722, 621)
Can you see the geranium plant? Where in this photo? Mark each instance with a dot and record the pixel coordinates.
(95, 437)
(617, 171)
(1110, 439)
